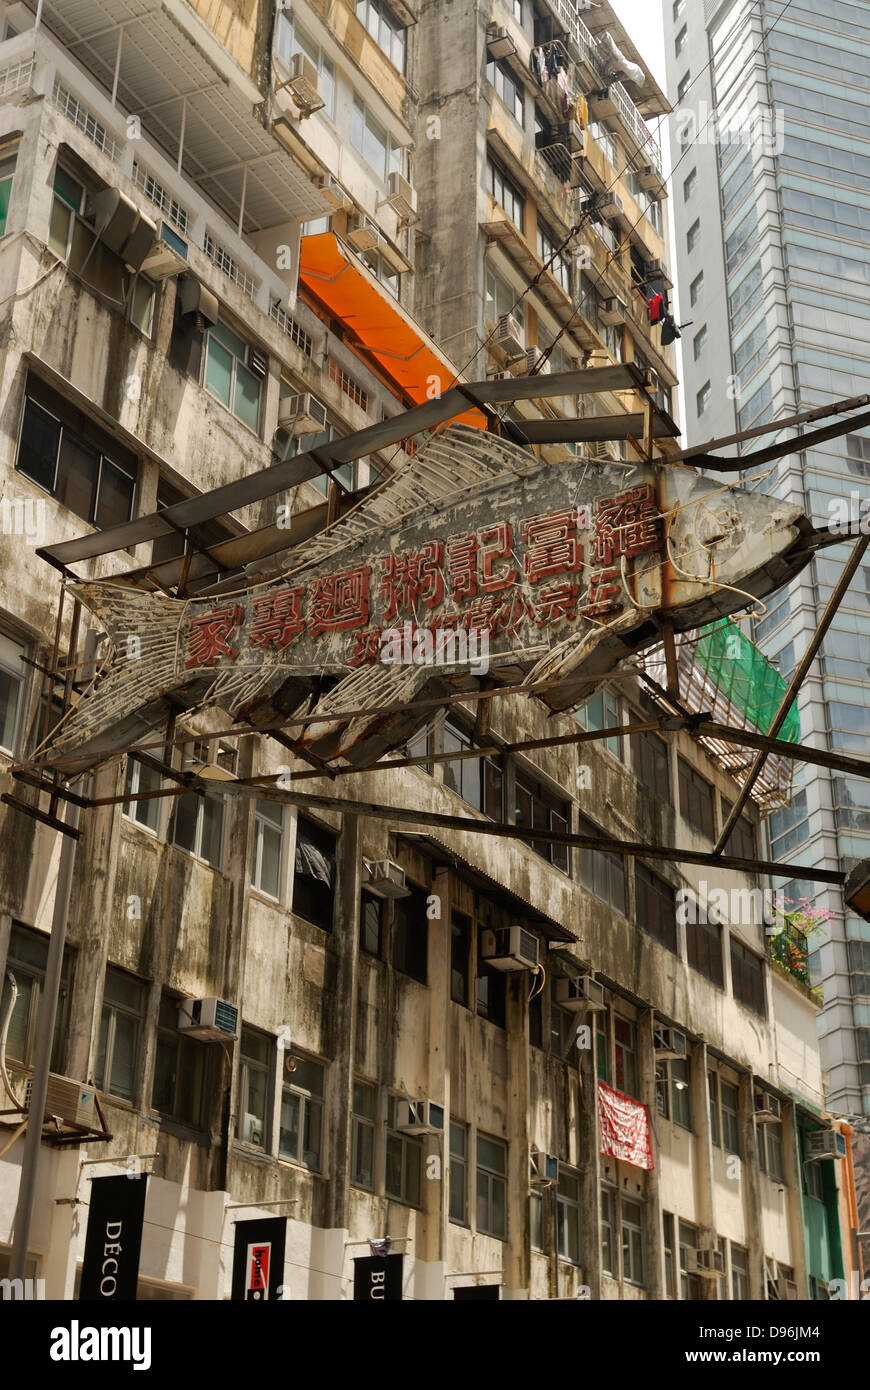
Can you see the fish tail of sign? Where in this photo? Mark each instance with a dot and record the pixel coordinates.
(139, 668)
(388, 692)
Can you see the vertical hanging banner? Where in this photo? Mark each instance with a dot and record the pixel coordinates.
(378, 1279)
(258, 1259)
(111, 1265)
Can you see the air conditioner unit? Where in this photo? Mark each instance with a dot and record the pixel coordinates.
(302, 84)
(787, 1289)
(252, 1129)
(709, 1264)
(669, 1044)
(301, 414)
(194, 298)
(610, 205)
(571, 135)
(362, 233)
(208, 1018)
(497, 374)
(510, 948)
(649, 179)
(612, 311)
(509, 336)
(579, 992)
(419, 1117)
(168, 255)
(499, 43)
(657, 270)
(402, 198)
(386, 879)
(651, 379)
(767, 1107)
(332, 193)
(825, 1143)
(543, 1169)
(533, 362)
(121, 227)
(71, 1102)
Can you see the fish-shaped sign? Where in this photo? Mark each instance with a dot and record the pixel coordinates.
(481, 561)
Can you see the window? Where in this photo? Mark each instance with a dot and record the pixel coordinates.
(713, 1097)
(730, 1105)
(198, 825)
(491, 1187)
(142, 298)
(69, 199)
(120, 1030)
(371, 924)
(702, 400)
(501, 298)
(684, 85)
(27, 958)
(537, 808)
(624, 1063)
(655, 906)
(301, 1134)
(479, 781)
(141, 778)
(699, 342)
(365, 1109)
(314, 876)
(7, 171)
(505, 193)
(292, 38)
(536, 1221)
(601, 711)
(608, 1231)
(387, 33)
(632, 1241)
(228, 376)
(679, 8)
(344, 475)
(383, 271)
(458, 1172)
(747, 978)
(739, 1273)
(602, 873)
(741, 841)
(568, 1216)
(536, 1020)
(690, 1284)
(668, 1243)
(602, 1047)
(563, 1029)
(651, 764)
(548, 251)
(76, 464)
(696, 799)
(175, 544)
(490, 988)
(255, 1077)
(704, 947)
(268, 854)
(770, 1149)
(693, 235)
(696, 288)
(411, 934)
(460, 957)
(179, 1069)
(681, 1106)
(689, 185)
(680, 40)
(814, 1181)
(12, 682)
(506, 86)
(373, 141)
(404, 1162)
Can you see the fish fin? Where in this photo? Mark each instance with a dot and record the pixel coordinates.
(386, 691)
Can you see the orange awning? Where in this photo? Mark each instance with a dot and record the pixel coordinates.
(401, 349)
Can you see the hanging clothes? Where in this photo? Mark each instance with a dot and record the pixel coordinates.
(539, 65)
(670, 331)
(657, 308)
(551, 61)
(582, 112)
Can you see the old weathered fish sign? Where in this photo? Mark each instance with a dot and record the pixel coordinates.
(482, 557)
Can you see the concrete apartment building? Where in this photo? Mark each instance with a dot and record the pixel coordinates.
(772, 264)
(289, 261)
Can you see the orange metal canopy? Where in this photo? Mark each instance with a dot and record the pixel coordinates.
(403, 352)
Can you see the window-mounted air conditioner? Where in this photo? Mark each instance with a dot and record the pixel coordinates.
(121, 227)
(767, 1107)
(362, 232)
(709, 1264)
(543, 1169)
(510, 948)
(302, 84)
(532, 362)
(386, 879)
(579, 992)
(509, 336)
(252, 1129)
(332, 193)
(612, 311)
(402, 198)
(66, 1100)
(825, 1143)
(499, 43)
(571, 135)
(669, 1044)
(610, 205)
(194, 298)
(419, 1117)
(208, 1018)
(301, 413)
(498, 374)
(657, 270)
(649, 179)
(168, 254)
(787, 1289)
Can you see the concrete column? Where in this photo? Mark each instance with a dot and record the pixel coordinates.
(794, 1198)
(517, 1265)
(751, 1190)
(652, 1207)
(590, 1167)
(345, 936)
(703, 1159)
(431, 1243)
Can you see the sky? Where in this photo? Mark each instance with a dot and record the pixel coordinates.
(643, 20)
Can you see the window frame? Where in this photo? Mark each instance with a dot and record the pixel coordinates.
(262, 826)
(324, 64)
(411, 1150)
(186, 1049)
(19, 678)
(458, 1164)
(309, 1103)
(319, 831)
(67, 432)
(22, 968)
(249, 1064)
(361, 1122)
(362, 129)
(568, 1218)
(212, 335)
(385, 18)
(133, 785)
(103, 1074)
(696, 787)
(494, 1178)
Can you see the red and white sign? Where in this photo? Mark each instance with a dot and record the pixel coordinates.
(257, 1278)
(623, 1126)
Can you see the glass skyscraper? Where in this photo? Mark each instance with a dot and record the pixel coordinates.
(770, 145)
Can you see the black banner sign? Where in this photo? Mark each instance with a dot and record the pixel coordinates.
(258, 1259)
(111, 1265)
(378, 1279)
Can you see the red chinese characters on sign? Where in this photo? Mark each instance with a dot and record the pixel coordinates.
(557, 603)
(410, 579)
(276, 618)
(462, 567)
(366, 648)
(552, 545)
(208, 638)
(496, 543)
(625, 525)
(623, 1126)
(605, 594)
(340, 601)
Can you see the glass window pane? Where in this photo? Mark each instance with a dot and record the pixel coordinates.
(288, 1141)
(115, 500)
(269, 847)
(10, 694)
(184, 827)
(307, 1076)
(393, 1182)
(101, 1048)
(16, 1042)
(77, 474)
(37, 453)
(219, 370)
(212, 829)
(59, 223)
(123, 1056)
(165, 1073)
(142, 306)
(247, 398)
(190, 1090)
(413, 1164)
(364, 1154)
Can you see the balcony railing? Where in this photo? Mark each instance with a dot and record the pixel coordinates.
(645, 137)
(789, 949)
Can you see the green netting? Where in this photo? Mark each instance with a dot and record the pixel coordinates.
(745, 677)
